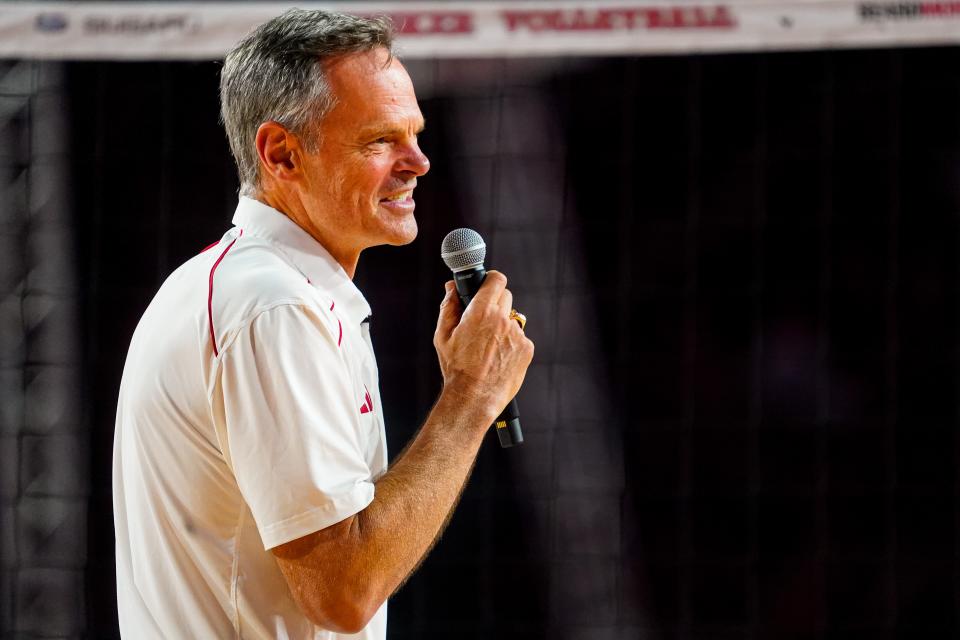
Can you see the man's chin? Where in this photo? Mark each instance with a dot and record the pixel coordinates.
(404, 240)
(402, 234)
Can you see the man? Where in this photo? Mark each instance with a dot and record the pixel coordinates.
(251, 492)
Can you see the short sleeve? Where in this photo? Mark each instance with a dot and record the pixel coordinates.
(292, 425)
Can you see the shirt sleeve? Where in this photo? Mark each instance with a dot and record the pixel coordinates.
(292, 425)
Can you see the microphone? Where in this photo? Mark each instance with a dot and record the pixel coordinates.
(463, 250)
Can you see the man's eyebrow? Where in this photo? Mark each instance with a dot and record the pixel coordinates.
(385, 130)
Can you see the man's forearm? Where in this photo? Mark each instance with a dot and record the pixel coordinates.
(341, 575)
(420, 490)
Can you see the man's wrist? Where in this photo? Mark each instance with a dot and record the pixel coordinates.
(461, 396)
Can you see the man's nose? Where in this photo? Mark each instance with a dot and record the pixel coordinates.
(414, 161)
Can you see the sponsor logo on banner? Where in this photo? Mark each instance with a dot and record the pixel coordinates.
(619, 19)
(51, 22)
(421, 23)
(875, 11)
(140, 25)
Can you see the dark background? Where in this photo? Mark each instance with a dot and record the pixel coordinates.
(741, 277)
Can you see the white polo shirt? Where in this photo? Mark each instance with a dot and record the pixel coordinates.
(249, 416)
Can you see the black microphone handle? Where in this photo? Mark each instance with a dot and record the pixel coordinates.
(508, 422)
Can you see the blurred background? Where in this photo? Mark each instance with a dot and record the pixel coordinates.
(740, 270)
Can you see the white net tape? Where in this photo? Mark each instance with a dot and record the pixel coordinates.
(485, 29)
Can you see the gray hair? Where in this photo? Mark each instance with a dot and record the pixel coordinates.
(276, 73)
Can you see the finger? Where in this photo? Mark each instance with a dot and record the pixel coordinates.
(450, 312)
(505, 303)
(490, 291)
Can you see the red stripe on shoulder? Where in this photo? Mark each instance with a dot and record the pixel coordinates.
(339, 324)
(213, 269)
(210, 246)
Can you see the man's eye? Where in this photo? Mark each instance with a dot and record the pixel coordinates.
(381, 141)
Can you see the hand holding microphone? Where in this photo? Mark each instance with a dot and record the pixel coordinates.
(499, 350)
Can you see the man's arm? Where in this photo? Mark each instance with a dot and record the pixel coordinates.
(341, 575)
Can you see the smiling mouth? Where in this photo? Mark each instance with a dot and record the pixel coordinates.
(400, 197)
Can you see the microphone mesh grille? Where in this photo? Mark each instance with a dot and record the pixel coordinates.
(463, 248)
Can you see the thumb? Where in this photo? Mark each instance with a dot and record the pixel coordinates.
(450, 312)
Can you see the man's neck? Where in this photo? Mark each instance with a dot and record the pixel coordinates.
(297, 212)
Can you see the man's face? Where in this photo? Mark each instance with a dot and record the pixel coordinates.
(359, 184)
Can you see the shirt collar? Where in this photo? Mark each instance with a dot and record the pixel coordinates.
(316, 263)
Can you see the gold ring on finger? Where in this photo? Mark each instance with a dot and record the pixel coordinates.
(519, 317)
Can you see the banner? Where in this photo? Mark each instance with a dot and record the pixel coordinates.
(123, 31)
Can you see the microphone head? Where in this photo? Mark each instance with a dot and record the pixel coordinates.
(463, 249)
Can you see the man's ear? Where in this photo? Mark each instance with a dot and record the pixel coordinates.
(279, 151)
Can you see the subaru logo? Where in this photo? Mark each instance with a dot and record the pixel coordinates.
(51, 22)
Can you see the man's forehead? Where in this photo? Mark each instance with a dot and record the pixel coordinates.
(373, 84)
(366, 67)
